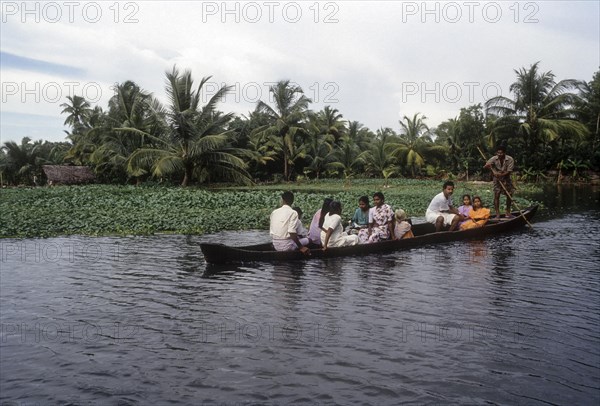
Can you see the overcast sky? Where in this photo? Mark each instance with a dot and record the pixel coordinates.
(373, 61)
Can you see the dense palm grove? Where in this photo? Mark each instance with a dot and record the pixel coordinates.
(547, 125)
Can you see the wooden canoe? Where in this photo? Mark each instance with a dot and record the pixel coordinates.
(424, 234)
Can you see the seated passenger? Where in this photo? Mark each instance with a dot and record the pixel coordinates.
(283, 223)
(402, 228)
(478, 216)
(301, 232)
(361, 216)
(381, 219)
(316, 226)
(333, 234)
(441, 211)
(465, 209)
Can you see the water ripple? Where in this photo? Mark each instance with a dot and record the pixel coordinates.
(509, 320)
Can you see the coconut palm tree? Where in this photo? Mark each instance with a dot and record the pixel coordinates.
(79, 112)
(196, 143)
(86, 139)
(261, 154)
(377, 159)
(589, 109)
(543, 110)
(461, 136)
(416, 145)
(360, 135)
(21, 162)
(329, 121)
(448, 132)
(129, 109)
(346, 157)
(319, 148)
(286, 120)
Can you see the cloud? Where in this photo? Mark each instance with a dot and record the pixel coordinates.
(8, 61)
(373, 61)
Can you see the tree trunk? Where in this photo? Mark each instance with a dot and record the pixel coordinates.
(285, 164)
(188, 175)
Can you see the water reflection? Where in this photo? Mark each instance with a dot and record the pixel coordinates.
(221, 271)
(190, 259)
(477, 252)
(561, 199)
(502, 257)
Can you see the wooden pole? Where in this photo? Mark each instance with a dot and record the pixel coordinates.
(506, 191)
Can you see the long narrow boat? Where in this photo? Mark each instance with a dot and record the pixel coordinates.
(424, 234)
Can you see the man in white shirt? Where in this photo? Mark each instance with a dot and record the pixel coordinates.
(441, 212)
(284, 221)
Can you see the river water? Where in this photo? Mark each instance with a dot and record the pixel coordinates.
(514, 319)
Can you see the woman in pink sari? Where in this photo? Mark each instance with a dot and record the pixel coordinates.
(381, 222)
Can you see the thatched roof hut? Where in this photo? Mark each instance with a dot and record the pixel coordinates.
(68, 175)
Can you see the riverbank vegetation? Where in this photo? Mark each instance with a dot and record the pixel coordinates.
(140, 210)
(548, 125)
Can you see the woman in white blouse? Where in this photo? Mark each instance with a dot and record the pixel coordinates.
(333, 231)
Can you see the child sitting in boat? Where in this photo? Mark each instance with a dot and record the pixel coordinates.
(402, 228)
(465, 208)
(478, 216)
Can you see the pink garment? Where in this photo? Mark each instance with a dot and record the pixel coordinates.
(314, 232)
(464, 210)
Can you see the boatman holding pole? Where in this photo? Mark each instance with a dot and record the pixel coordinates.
(283, 226)
(502, 166)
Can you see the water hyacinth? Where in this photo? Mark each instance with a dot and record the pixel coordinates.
(130, 210)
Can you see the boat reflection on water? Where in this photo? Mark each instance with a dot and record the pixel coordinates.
(477, 251)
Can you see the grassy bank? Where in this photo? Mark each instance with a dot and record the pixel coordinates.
(124, 210)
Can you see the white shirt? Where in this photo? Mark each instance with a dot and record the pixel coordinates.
(300, 230)
(283, 222)
(333, 221)
(371, 212)
(439, 203)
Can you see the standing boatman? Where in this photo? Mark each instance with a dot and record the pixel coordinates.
(502, 166)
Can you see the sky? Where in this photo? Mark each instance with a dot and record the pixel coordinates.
(373, 61)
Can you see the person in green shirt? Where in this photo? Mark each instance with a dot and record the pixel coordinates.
(361, 216)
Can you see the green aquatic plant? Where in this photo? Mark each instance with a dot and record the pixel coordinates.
(131, 210)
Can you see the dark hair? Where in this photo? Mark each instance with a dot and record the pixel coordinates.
(379, 195)
(287, 197)
(365, 200)
(469, 196)
(448, 183)
(298, 210)
(335, 207)
(501, 148)
(478, 198)
(324, 210)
